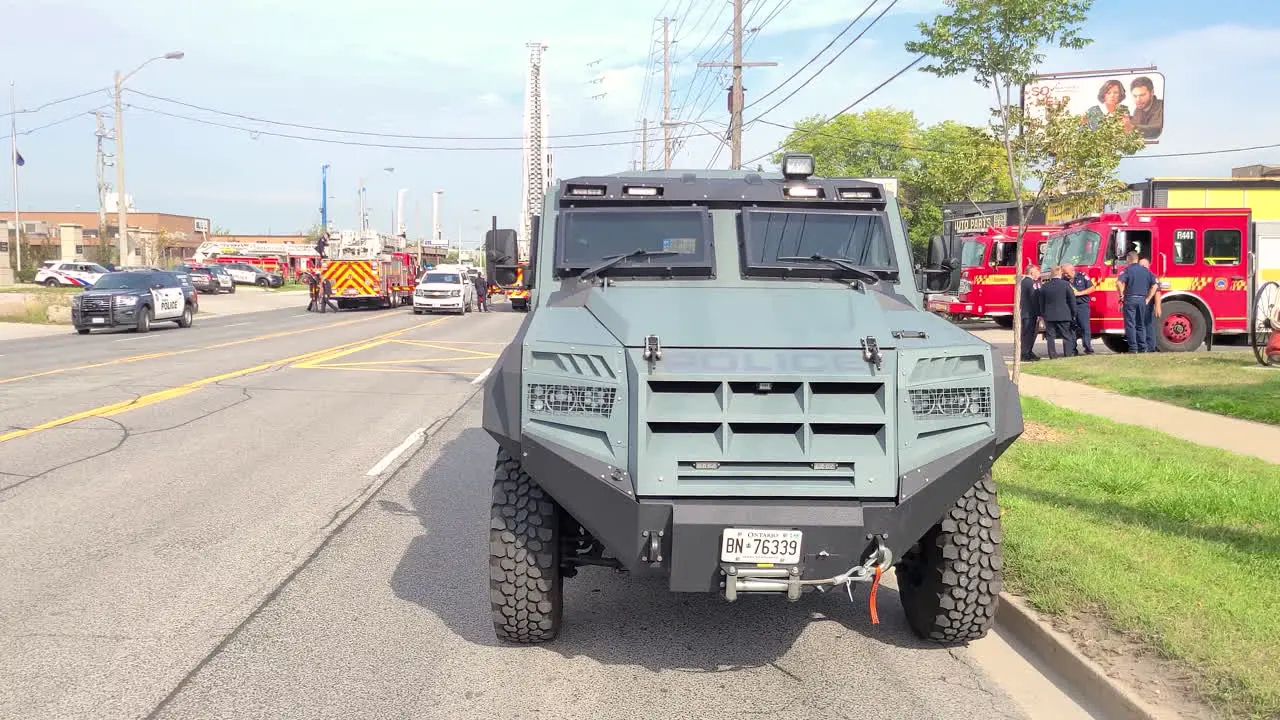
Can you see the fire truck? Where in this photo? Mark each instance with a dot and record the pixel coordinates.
(284, 259)
(367, 270)
(987, 265)
(1210, 262)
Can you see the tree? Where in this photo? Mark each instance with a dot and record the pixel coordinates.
(999, 42)
(934, 165)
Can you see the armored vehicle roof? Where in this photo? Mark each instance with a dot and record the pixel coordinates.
(738, 186)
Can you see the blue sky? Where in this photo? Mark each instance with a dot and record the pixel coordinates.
(427, 67)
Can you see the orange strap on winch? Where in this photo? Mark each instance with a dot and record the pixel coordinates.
(875, 584)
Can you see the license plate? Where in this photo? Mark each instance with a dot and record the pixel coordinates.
(760, 546)
(97, 321)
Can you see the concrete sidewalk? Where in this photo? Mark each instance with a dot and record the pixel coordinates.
(1238, 436)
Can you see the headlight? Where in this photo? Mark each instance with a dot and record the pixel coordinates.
(965, 286)
(75, 301)
(455, 293)
(126, 300)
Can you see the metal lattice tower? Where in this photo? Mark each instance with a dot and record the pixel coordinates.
(537, 156)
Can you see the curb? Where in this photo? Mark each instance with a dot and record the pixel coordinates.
(1059, 653)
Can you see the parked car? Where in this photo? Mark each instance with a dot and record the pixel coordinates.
(200, 276)
(225, 282)
(246, 274)
(133, 299)
(69, 273)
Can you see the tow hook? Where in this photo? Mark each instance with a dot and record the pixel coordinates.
(871, 351)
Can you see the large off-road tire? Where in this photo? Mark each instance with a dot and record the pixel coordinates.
(525, 589)
(950, 583)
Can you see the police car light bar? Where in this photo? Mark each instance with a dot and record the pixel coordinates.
(797, 165)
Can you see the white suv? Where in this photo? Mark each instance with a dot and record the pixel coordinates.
(68, 273)
(448, 290)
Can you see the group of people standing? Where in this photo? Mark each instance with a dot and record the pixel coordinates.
(321, 291)
(1060, 299)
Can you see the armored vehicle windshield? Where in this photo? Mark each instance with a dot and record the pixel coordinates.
(671, 238)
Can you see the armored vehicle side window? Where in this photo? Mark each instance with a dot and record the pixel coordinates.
(860, 238)
(682, 236)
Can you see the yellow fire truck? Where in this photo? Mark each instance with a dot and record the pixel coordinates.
(367, 271)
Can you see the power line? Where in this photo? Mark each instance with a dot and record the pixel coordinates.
(51, 103)
(1222, 151)
(832, 60)
(66, 119)
(359, 143)
(816, 55)
(846, 108)
(396, 136)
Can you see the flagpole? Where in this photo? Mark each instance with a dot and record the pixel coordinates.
(13, 160)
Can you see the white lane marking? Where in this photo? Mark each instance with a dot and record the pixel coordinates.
(390, 457)
(140, 336)
(238, 324)
(480, 378)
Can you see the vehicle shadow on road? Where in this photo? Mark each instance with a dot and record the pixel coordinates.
(609, 617)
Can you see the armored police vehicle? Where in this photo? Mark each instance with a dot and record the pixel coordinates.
(133, 299)
(729, 379)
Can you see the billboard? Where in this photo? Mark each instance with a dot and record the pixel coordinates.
(1137, 94)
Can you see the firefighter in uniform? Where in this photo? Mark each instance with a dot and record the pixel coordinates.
(1136, 286)
(326, 296)
(482, 293)
(1083, 288)
(314, 288)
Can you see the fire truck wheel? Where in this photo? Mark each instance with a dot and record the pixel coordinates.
(1180, 328)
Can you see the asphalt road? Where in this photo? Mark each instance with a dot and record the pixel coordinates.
(242, 520)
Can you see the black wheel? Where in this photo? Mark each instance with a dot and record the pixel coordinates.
(144, 319)
(261, 282)
(1263, 321)
(233, 289)
(950, 582)
(50, 282)
(1181, 327)
(1116, 343)
(1004, 321)
(525, 590)
(184, 321)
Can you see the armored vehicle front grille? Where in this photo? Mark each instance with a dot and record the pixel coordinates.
(974, 402)
(571, 400)
(786, 437)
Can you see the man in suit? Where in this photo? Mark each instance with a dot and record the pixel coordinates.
(1058, 304)
(1029, 311)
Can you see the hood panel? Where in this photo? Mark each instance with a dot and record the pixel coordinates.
(772, 316)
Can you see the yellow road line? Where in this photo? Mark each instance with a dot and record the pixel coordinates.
(162, 395)
(401, 362)
(449, 342)
(446, 348)
(172, 353)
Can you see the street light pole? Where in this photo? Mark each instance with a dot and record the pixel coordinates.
(122, 207)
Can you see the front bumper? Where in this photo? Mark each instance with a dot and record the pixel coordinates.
(437, 303)
(115, 316)
(681, 537)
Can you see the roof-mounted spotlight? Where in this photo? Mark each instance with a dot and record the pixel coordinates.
(797, 166)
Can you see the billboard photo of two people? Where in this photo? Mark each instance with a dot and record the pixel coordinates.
(1138, 97)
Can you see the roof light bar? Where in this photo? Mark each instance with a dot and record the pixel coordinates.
(588, 190)
(642, 191)
(846, 194)
(802, 191)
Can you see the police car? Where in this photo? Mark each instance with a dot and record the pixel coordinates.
(133, 299)
(67, 273)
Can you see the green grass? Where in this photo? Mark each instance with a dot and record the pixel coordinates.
(1177, 543)
(33, 315)
(290, 285)
(39, 289)
(1227, 383)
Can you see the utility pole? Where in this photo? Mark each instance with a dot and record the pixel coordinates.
(13, 159)
(101, 167)
(736, 97)
(122, 206)
(666, 93)
(644, 144)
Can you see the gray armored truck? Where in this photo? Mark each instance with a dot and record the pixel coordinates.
(727, 378)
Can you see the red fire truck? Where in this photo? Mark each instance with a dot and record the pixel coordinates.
(987, 264)
(1206, 260)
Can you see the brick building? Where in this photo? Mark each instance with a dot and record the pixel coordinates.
(157, 238)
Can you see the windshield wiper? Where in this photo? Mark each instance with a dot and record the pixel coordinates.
(858, 272)
(611, 260)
